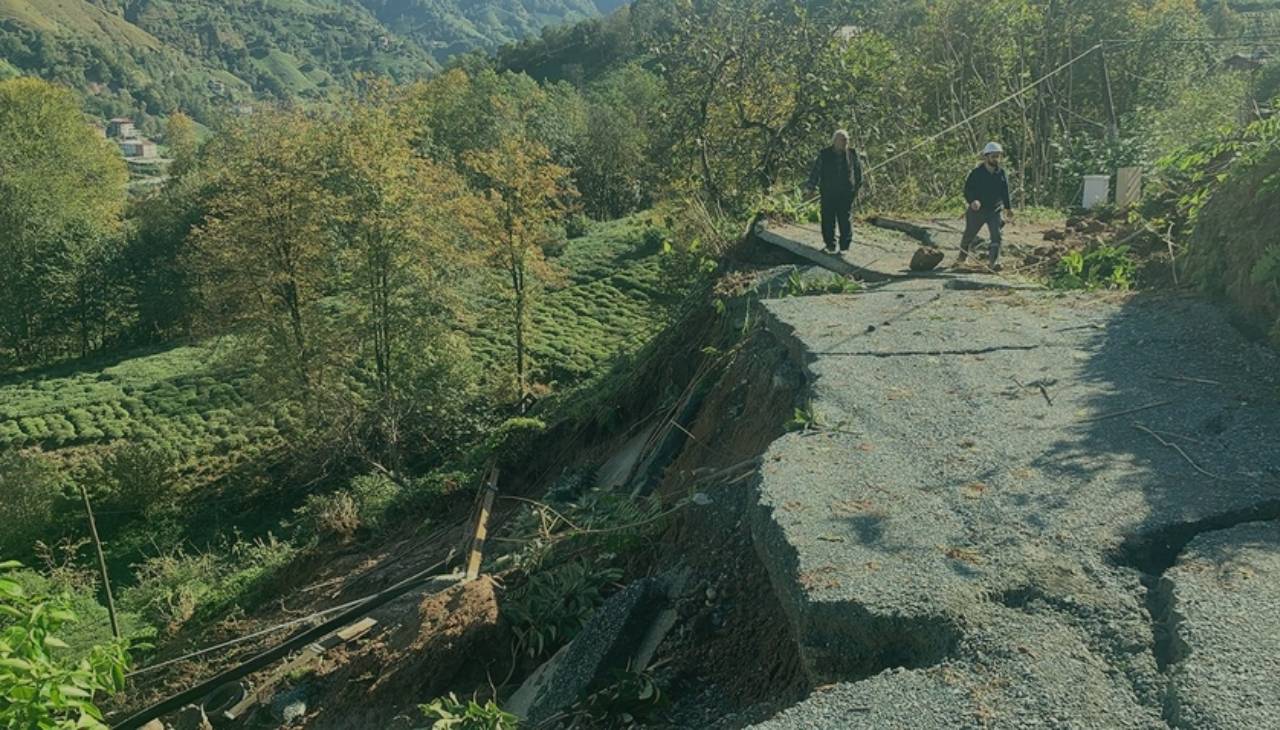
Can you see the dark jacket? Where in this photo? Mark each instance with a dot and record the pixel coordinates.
(836, 173)
(989, 188)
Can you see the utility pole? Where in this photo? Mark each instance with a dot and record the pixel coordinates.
(102, 563)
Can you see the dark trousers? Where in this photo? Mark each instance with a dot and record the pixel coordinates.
(973, 223)
(837, 210)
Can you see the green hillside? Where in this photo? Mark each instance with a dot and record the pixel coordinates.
(147, 57)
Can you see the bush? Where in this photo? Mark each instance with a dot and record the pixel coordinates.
(333, 515)
(577, 226)
(40, 685)
(339, 515)
(553, 606)
(31, 489)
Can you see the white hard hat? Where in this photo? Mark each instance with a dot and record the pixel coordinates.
(992, 148)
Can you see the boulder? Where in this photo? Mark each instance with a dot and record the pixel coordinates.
(926, 258)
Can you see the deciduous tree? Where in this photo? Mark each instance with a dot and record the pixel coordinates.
(526, 194)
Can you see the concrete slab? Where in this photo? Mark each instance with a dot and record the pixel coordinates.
(979, 452)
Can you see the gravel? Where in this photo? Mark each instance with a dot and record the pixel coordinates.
(1226, 590)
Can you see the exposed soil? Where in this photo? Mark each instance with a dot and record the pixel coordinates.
(427, 647)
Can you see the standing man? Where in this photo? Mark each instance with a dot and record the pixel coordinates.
(987, 193)
(837, 175)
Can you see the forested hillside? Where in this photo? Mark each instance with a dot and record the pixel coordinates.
(150, 57)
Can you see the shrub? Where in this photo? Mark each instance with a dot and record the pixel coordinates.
(41, 687)
(333, 515)
(577, 226)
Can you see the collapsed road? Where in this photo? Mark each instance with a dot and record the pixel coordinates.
(1012, 507)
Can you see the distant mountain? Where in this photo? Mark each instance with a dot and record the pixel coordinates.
(147, 57)
(448, 27)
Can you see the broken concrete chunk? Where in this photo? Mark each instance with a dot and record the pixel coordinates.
(1226, 589)
(612, 637)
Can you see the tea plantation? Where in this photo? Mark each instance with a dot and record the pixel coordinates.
(177, 401)
(606, 302)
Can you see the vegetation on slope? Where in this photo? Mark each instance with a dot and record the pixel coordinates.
(149, 57)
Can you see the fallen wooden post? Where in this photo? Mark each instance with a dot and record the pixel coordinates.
(482, 525)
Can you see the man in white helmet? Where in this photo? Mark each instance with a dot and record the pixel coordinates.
(987, 193)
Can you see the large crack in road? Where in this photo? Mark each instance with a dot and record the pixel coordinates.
(956, 550)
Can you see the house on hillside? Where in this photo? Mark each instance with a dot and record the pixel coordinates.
(121, 128)
(138, 148)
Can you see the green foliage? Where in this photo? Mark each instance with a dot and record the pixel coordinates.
(450, 713)
(799, 285)
(172, 417)
(632, 698)
(1097, 267)
(804, 419)
(39, 686)
(364, 505)
(31, 489)
(554, 604)
(1231, 251)
(176, 587)
(563, 588)
(61, 202)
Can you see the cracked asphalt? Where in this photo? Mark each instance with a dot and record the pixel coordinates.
(959, 537)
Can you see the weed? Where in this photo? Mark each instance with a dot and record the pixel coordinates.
(450, 713)
(799, 285)
(632, 698)
(1098, 267)
(554, 604)
(804, 419)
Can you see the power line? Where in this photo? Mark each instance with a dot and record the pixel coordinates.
(934, 138)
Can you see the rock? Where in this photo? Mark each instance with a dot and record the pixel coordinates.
(191, 717)
(153, 725)
(1094, 227)
(1053, 234)
(289, 707)
(926, 258)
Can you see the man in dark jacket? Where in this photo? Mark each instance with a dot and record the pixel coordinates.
(837, 175)
(987, 193)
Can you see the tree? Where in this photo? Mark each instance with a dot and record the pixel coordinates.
(400, 221)
(182, 140)
(61, 195)
(617, 158)
(526, 193)
(262, 258)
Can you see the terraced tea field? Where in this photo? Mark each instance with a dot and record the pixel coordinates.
(176, 400)
(181, 401)
(609, 302)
